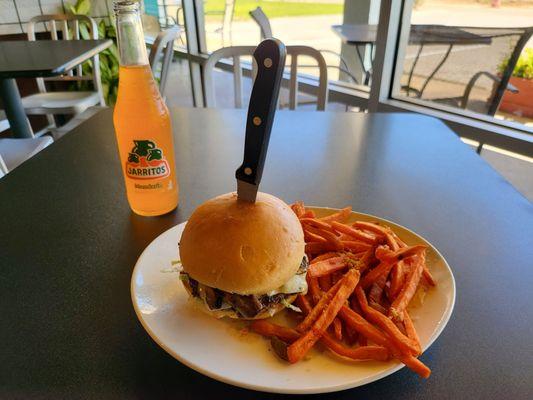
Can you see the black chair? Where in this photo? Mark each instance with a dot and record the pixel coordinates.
(475, 77)
(261, 19)
(507, 66)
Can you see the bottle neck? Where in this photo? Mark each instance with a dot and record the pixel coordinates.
(130, 36)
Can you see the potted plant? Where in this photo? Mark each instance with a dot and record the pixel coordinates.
(108, 58)
(521, 103)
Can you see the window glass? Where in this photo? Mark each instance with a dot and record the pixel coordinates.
(469, 55)
(322, 24)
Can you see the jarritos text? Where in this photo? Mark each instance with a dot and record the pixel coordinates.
(146, 161)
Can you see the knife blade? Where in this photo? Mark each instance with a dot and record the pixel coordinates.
(270, 58)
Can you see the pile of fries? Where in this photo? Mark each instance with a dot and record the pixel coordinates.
(361, 279)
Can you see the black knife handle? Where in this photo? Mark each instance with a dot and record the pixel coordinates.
(270, 58)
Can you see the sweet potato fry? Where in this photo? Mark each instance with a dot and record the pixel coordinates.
(318, 248)
(399, 325)
(330, 237)
(314, 289)
(355, 246)
(354, 233)
(317, 223)
(397, 272)
(385, 254)
(350, 335)
(368, 330)
(402, 342)
(378, 353)
(392, 242)
(269, 329)
(321, 301)
(298, 208)
(361, 325)
(363, 263)
(376, 290)
(385, 231)
(381, 270)
(326, 267)
(325, 282)
(401, 302)
(372, 227)
(400, 242)
(288, 335)
(308, 214)
(389, 240)
(336, 276)
(415, 365)
(428, 277)
(339, 216)
(297, 350)
(324, 256)
(354, 304)
(411, 331)
(342, 236)
(378, 307)
(384, 264)
(313, 237)
(303, 303)
(396, 280)
(337, 328)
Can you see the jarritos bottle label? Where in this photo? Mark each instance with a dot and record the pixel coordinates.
(146, 161)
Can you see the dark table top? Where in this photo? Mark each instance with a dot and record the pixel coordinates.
(419, 34)
(45, 57)
(69, 242)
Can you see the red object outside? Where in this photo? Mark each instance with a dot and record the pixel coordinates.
(521, 103)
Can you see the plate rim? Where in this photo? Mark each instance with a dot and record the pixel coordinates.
(329, 389)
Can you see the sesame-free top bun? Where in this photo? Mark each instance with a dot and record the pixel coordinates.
(242, 247)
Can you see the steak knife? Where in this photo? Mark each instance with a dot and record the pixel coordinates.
(270, 59)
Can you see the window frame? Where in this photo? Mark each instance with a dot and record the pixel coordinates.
(392, 37)
(393, 34)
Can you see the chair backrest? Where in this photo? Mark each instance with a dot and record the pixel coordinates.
(163, 48)
(236, 52)
(227, 21)
(508, 70)
(71, 27)
(262, 20)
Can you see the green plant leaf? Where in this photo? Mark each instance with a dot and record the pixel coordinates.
(70, 8)
(83, 7)
(113, 50)
(524, 65)
(101, 29)
(109, 58)
(111, 32)
(84, 32)
(105, 89)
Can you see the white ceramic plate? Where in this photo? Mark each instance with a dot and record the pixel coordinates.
(224, 350)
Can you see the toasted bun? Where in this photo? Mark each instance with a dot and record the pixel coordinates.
(242, 247)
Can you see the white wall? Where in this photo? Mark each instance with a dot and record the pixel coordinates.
(15, 14)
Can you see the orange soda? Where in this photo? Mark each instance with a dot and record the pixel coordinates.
(142, 123)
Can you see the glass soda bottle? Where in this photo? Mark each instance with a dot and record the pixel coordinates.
(142, 122)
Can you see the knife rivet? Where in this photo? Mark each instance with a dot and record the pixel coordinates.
(268, 62)
(248, 171)
(256, 121)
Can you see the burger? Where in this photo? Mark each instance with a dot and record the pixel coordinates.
(241, 259)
